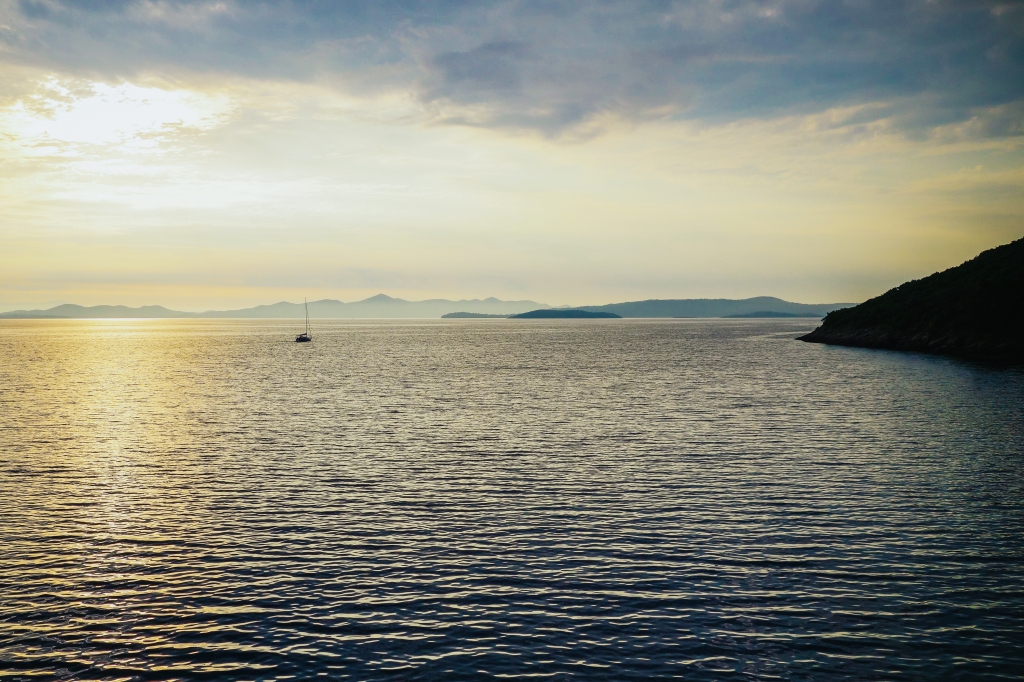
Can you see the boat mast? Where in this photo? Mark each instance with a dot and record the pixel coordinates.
(307, 315)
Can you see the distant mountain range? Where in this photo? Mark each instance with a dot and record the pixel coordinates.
(381, 306)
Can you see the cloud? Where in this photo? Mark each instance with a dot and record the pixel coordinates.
(559, 66)
(58, 120)
(488, 68)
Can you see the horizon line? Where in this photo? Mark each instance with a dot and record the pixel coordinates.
(382, 299)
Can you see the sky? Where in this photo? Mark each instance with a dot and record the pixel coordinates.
(223, 154)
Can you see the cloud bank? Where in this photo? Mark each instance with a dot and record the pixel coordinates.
(556, 67)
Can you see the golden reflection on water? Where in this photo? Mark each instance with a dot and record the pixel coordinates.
(119, 400)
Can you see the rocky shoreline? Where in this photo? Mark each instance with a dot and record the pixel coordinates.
(984, 349)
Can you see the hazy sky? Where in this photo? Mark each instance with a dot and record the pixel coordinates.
(218, 154)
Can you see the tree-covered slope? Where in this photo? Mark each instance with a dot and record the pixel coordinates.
(974, 310)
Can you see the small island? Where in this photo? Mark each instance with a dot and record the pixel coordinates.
(771, 313)
(563, 314)
(971, 311)
(471, 316)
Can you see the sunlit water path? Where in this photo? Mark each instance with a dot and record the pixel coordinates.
(446, 500)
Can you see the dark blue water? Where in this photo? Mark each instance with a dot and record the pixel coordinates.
(454, 500)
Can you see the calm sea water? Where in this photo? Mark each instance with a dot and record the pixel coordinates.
(454, 500)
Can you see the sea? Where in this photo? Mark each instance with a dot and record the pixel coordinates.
(503, 499)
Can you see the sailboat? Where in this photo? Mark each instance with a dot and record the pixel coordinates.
(304, 336)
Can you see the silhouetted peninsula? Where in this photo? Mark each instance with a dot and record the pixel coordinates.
(563, 313)
(974, 310)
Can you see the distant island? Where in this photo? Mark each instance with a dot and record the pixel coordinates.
(772, 313)
(763, 306)
(563, 314)
(470, 316)
(974, 310)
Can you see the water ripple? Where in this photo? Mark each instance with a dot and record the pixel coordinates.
(618, 500)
